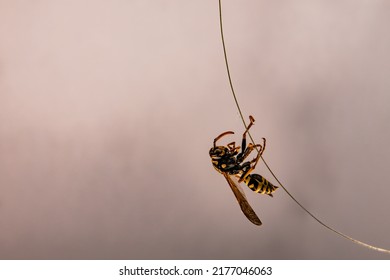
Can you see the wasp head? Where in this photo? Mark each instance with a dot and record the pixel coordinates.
(218, 152)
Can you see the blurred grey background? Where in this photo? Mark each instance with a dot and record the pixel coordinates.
(108, 110)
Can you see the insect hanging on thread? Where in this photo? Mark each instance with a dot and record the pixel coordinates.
(229, 161)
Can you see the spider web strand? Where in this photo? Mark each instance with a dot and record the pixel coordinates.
(265, 163)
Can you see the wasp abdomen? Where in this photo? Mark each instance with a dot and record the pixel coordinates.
(259, 184)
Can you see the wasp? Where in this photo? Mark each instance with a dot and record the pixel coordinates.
(230, 161)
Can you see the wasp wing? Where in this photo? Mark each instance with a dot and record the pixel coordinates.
(244, 204)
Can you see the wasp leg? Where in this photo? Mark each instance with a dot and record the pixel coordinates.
(245, 171)
(241, 156)
(232, 147)
(248, 167)
(247, 152)
(259, 154)
(252, 121)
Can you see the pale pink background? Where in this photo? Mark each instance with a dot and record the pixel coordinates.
(108, 110)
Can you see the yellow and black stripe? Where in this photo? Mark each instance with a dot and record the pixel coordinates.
(259, 184)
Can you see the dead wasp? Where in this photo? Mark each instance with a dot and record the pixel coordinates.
(229, 161)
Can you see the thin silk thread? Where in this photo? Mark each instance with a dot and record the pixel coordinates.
(265, 163)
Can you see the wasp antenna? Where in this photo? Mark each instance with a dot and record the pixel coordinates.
(252, 119)
(222, 135)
